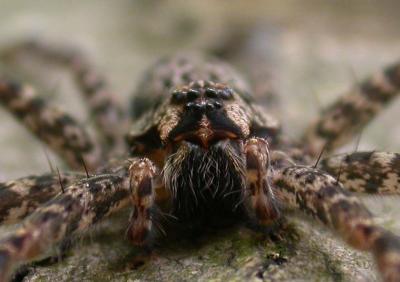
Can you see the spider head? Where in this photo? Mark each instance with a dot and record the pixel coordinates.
(204, 113)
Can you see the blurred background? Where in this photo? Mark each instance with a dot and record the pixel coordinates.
(313, 50)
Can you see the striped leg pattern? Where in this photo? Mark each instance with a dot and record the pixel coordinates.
(108, 113)
(261, 203)
(320, 195)
(21, 197)
(63, 134)
(142, 198)
(81, 205)
(344, 120)
(366, 172)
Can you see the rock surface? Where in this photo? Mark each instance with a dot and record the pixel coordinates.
(300, 252)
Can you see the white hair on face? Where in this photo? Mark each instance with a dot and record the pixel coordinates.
(195, 176)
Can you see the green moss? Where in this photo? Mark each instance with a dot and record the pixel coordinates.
(232, 254)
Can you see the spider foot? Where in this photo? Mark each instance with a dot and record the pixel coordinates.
(142, 197)
(387, 253)
(261, 201)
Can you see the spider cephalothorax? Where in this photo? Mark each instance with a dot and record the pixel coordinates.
(199, 143)
(208, 113)
(207, 150)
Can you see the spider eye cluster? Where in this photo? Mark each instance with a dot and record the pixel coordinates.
(203, 106)
(203, 90)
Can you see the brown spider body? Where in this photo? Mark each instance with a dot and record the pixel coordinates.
(196, 131)
(200, 143)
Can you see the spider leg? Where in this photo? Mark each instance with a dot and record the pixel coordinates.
(83, 204)
(322, 196)
(56, 128)
(21, 197)
(109, 115)
(143, 199)
(366, 172)
(344, 119)
(260, 199)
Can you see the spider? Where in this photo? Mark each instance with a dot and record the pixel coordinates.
(201, 148)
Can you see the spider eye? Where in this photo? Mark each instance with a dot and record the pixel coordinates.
(203, 106)
(202, 90)
(225, 93)
(211, 93)
(192, 94)
(178, 96)
(217, 105)
(207, 114)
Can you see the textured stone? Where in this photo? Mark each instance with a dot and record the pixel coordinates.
(301, 252)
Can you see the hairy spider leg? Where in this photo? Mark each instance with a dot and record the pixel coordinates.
(320, 195)
(345, 119)
(142, 196)
(260, 199)
(366, 172)
(83, 204)
(21, 197)
(108, 113)
(61, 132)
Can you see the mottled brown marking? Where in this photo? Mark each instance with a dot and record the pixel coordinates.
(261, 199)
(366, 172)
(241, 160)
(83, 203)
(60, 131)
(344, 119)
(326, 200)
(21, 197)
(142, 172)
(109, 115)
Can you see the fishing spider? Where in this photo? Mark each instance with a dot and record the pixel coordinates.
(200, 144)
